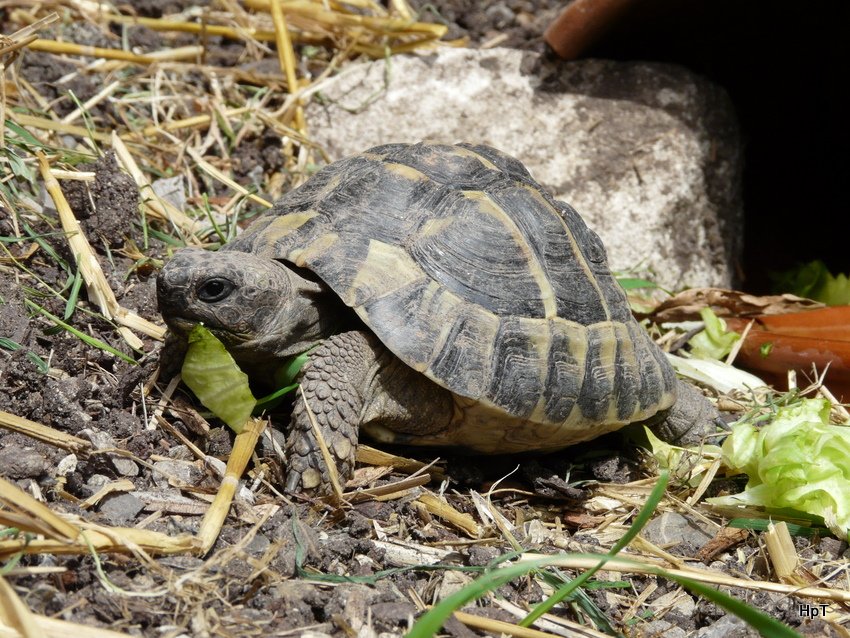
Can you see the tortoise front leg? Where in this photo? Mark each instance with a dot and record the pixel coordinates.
(331, 393)
(352, 382)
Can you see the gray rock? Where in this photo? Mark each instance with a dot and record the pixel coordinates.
(97, 481)
(119, 509)
(172, 190)
(185, 472)
(660, 628)
(103, 441)
(671, 529)
(728, 626)
(647, 153)
(20, 462)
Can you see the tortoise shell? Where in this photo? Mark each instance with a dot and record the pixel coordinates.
(469, 272)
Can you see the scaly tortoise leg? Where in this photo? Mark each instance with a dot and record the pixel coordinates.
(331, 383)
(353, 383)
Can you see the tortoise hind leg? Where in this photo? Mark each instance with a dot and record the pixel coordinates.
(688, 421)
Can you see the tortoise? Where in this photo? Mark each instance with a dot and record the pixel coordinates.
(454, 303)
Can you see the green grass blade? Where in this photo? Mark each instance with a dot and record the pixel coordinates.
(97, 343)
(642, 519)
(74, 295)
(432, 621)
(761, 622)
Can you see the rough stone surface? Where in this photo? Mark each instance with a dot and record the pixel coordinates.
(672, 529)
(20, 462)
(120, 508)
(728, 626)
(661, 628)
(647, 153)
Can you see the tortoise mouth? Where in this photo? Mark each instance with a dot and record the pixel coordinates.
(183, 326)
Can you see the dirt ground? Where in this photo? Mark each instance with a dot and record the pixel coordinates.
(284, 564)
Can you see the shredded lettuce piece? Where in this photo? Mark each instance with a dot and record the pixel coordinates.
(798, 461)
(212, 374)
(684, 463)
(715, 342)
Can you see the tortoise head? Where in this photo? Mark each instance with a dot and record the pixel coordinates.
(259, 308)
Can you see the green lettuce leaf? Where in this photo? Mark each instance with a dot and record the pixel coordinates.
(798, 461)
(212, 374)
(715, 342)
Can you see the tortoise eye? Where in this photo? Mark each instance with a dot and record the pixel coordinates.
(215, 289)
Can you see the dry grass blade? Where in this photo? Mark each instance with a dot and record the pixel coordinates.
(15, 614)
(31, 515)
(158, 208)
(243, 448)
(443, 510)
(638, 565)
(44, 433)
(286, 57)
(224, 179)
(328, 18)
(499, 626)
(96, 285)
(45, 124)
(327, 457)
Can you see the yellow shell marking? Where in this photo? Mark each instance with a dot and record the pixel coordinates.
(465, 152)
(285, 224)
(385, 268)
(302, 256)
(407, 172)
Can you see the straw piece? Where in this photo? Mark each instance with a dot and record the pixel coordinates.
(224, 179)
(77, 176)
(286, 57)
(44, 433)
(52, 46)
(189, 122)
(243, 448)
(443, 510)
(500, 626)
(389, 492)
(121, 485)
(15, 614)
(159, 208)
(378, 25)
(122, 540)
(56, 628)
(367, 455)
(98, 288)
(28, 510)
(782, 553)
(33, 121)
(190, 52)
(639, 565)
(166, 24)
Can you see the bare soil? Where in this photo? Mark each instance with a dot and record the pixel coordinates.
(284, 564)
